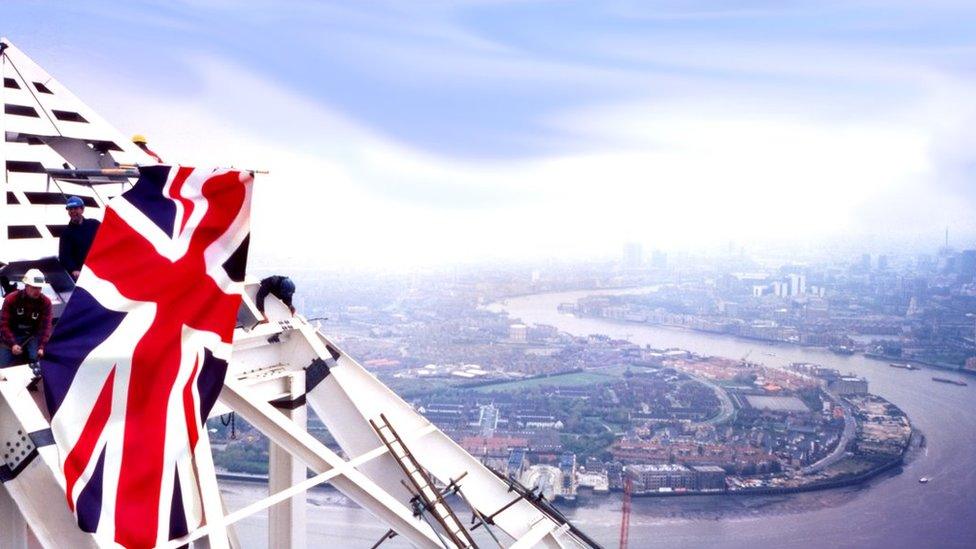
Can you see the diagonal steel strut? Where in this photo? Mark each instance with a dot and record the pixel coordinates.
(320, 459)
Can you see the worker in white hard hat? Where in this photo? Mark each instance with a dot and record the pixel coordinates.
(140, 141)
(25, 321)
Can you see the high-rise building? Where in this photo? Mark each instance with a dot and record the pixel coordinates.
(865, 264)
(781, 288)
(659, 259)
(798, 284)
(967, 266)
(633, 255)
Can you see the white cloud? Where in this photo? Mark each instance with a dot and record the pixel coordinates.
(681, 173)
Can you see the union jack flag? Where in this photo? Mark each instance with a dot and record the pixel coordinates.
(138, 358)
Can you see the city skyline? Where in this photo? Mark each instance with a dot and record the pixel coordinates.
(553, 264)
(515, 131)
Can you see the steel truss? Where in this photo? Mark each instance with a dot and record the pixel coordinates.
(394, 457)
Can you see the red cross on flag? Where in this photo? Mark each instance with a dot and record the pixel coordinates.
(138, 358)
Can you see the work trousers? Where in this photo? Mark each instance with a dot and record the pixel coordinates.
(29, 354)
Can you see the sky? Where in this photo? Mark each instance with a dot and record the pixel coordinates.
(410, 134)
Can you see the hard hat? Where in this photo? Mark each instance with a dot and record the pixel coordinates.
(287, 287)
(74, 202)
(35, 278)
(139, 138)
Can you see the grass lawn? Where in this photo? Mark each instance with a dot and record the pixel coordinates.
(408, 388)
(568, 380)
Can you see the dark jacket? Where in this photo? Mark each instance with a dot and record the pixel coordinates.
(24, 316)
(272, 285)
(76, 240)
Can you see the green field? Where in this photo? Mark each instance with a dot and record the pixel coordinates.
(568, 380)
(408, 388)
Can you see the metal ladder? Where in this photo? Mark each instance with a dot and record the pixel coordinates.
(422, 486)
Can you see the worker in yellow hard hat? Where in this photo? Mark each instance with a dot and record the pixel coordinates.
(140, 141)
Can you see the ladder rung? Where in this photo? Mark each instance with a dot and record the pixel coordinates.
(432, 498)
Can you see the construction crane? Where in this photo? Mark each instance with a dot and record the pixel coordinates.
(625, 514)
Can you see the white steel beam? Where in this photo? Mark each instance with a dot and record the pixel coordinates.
(320, 459)
(286, 520)
(350, 396)
(13, 527)
(35, 488)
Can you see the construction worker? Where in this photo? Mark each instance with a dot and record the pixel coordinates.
(25, 322)
(279, 286)
(77, 237)
(140, 141)
(6, 286)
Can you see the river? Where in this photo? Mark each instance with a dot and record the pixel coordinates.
(892, 511)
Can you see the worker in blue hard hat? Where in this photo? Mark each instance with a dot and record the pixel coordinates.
(281, 287)
(77, 237)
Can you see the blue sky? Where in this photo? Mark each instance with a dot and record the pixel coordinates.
(522, 129)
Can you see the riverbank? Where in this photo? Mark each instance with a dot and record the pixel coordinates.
(846, 482)
(779, 343)
(891, 511)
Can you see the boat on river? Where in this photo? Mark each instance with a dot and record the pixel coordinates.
(950, 381)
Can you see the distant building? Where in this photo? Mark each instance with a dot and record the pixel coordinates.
(488, 420)
(518, 332)
(536, 421)
(597, 481)
(543, 479)
(967, 266)
(516, 463)
(849, 385)
(541, 332)
(798, 284)
(652, 478)
(781, 288)
(567, 465)
(709, 477)
(659, 259)
(445, 416)
(492, 446)
(784, 404)
(633, 255)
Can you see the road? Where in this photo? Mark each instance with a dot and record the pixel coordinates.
(850, 429)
